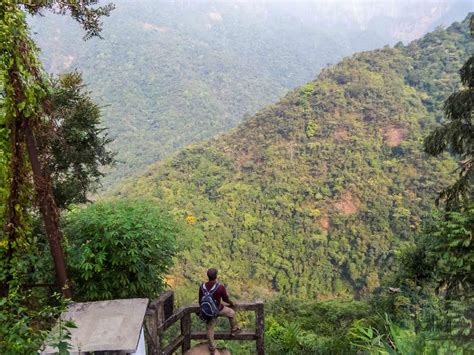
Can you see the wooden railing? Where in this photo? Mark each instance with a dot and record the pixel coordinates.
(161, 316)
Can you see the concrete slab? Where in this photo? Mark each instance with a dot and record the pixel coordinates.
(105, 325)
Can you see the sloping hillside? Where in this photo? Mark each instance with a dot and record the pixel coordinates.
(170, 73)
(312, 195)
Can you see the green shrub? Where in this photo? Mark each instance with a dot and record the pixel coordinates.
(315, 327)
(395, 339)
(25, 317)
(120, 249)
(290, 338)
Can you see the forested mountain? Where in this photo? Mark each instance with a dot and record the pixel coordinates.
(312, 195)
(170, 73)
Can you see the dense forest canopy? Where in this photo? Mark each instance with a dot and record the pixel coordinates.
(313, 195)
(173, 73)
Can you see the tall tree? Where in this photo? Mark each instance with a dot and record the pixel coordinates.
(449, 246)
(72, 143)
(24, 100)
(456, 135)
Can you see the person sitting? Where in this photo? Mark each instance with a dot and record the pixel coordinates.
(212, 293)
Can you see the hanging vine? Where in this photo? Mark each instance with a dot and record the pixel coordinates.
(21, 95)
(23, 98)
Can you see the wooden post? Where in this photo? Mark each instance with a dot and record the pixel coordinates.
(164, 306)
(186, 332)
(260, 328)
(158, 311)
(168, 305)
(151, 326)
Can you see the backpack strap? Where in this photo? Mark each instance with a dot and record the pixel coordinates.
(204, 289)
(212, 290)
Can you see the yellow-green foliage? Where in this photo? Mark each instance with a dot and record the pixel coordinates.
(319, 214)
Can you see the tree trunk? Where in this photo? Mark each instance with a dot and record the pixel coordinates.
(48, 210)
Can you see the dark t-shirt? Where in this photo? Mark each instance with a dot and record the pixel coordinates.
(221, 293)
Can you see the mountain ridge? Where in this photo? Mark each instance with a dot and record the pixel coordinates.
(313, 195)
(172, 73)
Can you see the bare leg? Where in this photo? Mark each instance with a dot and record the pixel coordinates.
(230, 314)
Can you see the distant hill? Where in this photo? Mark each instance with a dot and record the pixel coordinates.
(170, 73)
(312, 195)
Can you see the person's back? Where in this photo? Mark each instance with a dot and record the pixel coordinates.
(219, 293)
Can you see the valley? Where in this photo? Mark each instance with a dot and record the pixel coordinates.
(313, 195)
(168, 74)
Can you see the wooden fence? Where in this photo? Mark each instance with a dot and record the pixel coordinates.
(161, 316)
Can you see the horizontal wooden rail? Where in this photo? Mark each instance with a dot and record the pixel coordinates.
(194, 308)
(245, 335)
(180, 313)
(174, 345)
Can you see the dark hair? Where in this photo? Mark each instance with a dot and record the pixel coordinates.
(212, 274)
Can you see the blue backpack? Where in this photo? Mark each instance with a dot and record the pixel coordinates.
(208, 308)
